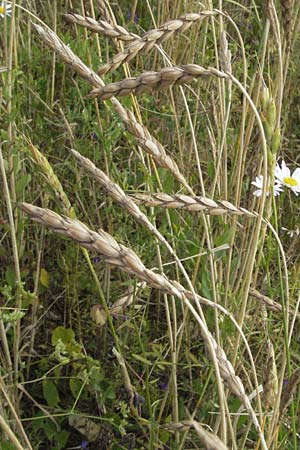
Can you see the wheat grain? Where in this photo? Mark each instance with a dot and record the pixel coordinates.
(153, 37)
(162, 79)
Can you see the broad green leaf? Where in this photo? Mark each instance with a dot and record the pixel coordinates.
(66, 335)
(50, 392)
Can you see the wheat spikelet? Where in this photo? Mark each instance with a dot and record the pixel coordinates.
(152, 38)
(192, 204)
(139, 131)
(162, 79)
(101, 27)
(118, 255)
(287, 14)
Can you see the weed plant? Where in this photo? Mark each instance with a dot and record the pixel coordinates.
(152, 303)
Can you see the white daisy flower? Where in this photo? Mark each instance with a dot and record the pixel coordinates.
(283, 176)
(5, 9)
(259, 183)
(292, 233)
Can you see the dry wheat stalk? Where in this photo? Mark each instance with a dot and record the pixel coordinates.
(162, 79)
(126, 259)
(141, 133)
(153, 37)
(101, 27)
(193, 204)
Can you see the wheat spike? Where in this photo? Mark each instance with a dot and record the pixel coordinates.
(153, 37)
(162, 79)
(287, 15)
(118, 255)
(270, 378)
(101, 27)
(209, 440)
(139, 131)
(51, 178)
(192, 204)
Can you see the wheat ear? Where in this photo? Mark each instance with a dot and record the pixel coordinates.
(153, 37)
(287, 15)
(162, 79)
(148, 142)
(101, 27)
(192, 204)
(118, 255)
(209, 440)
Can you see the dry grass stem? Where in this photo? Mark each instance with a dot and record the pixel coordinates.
(118, 255)
(153, 37)
(168, 76)
(141, 133)
(192, 204)
(101, 27)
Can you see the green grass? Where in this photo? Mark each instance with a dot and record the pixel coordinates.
(73, 371)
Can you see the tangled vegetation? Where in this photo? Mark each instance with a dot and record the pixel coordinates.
(149, 265)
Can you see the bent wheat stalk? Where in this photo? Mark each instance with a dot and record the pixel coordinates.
(153, 37)
(162, 79)
(118, 255)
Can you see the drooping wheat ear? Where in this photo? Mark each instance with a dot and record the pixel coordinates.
(193, 204)
(287, 15)
(153, 37)
(101, 27)
(267, 301)
(117, 193)
(209, 440)
(126, 259)
(139, 131)
(155, 80)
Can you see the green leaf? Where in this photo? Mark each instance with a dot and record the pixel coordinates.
(50, 392)
(75, 386)
(10, 276)
(44, 278)
(66, 335)
(141, 359)
(22, 182)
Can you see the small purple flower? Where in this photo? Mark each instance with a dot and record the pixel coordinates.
(135, 19)
(84, 445)
(97, 259)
